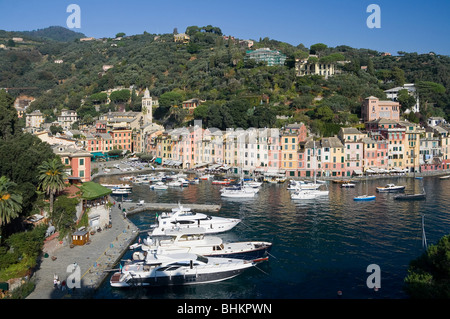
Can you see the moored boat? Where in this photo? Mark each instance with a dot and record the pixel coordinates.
(364, 198)
(193, 240)
(309, 194)
(178, 269)
(159, 185)
(417, 196)
(390, 188)
(183, 217)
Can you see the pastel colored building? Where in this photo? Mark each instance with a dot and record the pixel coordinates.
(99, 142)
(122, 139)
(34, 119)
(290, 138)
(353, 150)
(67, 118)
(373, 108)
(305, 66)
(412, 145)
(274, 150)
(78, 162)
(375, 154)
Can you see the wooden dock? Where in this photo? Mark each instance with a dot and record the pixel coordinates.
(132, 208)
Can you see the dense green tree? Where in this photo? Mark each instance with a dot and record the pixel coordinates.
(318, 48)
(429, 275)
(99, 97)
(406, 100)
(120, 96)
(169, 99)
(64, 214)
(52, 177)
(398, 76)
(9, 122)
(324, 113)
(56, 129)
(20, 157)
(10, 201)
(429, 92)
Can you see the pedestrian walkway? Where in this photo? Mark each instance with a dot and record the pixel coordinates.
(94, 259)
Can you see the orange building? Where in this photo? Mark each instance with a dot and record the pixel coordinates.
(122, 139)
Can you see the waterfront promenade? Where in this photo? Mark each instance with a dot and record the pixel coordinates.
(94, 259)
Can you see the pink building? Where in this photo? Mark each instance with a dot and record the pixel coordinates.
(274, 151)
(375, 154)
(77, 161)
(353, 150)
(373, 109)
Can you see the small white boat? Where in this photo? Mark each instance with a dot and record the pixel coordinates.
(174, 184)
(238, 192)
(348, 185)
(196, 180)
(303, 194)
(444, 177)
(309, 194)
(390, 188)
(184, 182)
(121, 186)
(159, 185)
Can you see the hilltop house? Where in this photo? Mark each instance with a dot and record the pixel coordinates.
(410, 87)
(271, 57)
(373, 109)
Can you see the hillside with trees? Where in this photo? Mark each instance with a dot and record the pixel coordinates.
(212, 67)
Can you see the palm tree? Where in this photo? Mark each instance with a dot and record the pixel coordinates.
(51, 178)
(10, 201)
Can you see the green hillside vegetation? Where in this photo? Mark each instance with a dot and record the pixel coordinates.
(214, 69)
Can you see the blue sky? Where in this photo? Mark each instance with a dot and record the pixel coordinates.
(406, 25)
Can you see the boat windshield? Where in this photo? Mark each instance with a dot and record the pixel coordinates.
(202, 259)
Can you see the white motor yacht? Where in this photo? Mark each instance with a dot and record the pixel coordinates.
(182, 217)
(178, 269)
(194, 240)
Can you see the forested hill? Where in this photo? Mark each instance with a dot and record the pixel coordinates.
(55, 33)
(237, 92)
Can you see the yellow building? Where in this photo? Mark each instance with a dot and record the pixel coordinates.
(289, 152)
(412, 145)
(332, 156)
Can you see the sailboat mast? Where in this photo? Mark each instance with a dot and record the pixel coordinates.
(424, 237)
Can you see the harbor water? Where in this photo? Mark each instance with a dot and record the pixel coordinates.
(320, 247)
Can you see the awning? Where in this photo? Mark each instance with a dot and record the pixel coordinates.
(91, 190)
(358, 172)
